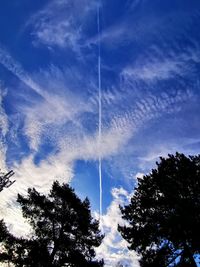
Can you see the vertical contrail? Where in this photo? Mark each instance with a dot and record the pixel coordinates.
(100, 114)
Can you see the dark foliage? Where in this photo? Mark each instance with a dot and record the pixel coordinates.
(64, 232)
(164, 214)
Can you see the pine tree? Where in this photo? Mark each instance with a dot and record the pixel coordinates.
(164, 213)
(65, 234)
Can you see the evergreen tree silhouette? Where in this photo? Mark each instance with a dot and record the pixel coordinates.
(164, 214)
(65, 234)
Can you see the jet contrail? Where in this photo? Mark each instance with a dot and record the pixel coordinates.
(100, 115)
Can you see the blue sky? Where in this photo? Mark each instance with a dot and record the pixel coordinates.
(150, 63)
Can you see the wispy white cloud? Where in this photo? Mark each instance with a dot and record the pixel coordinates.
(59, 106)
(3, 116)
(157, 65)
(4, 126)
(113, 248)
(57, 33)
(152, 107)
(17, 70)
(154, 71)
(61, 23)
(49, 116)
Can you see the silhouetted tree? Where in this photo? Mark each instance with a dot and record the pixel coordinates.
(64, 232)
(164, 214)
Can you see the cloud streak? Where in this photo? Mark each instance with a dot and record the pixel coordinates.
(17, 70)
(158, 65)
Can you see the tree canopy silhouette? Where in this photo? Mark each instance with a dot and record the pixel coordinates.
(164, 214)
(65, 234)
